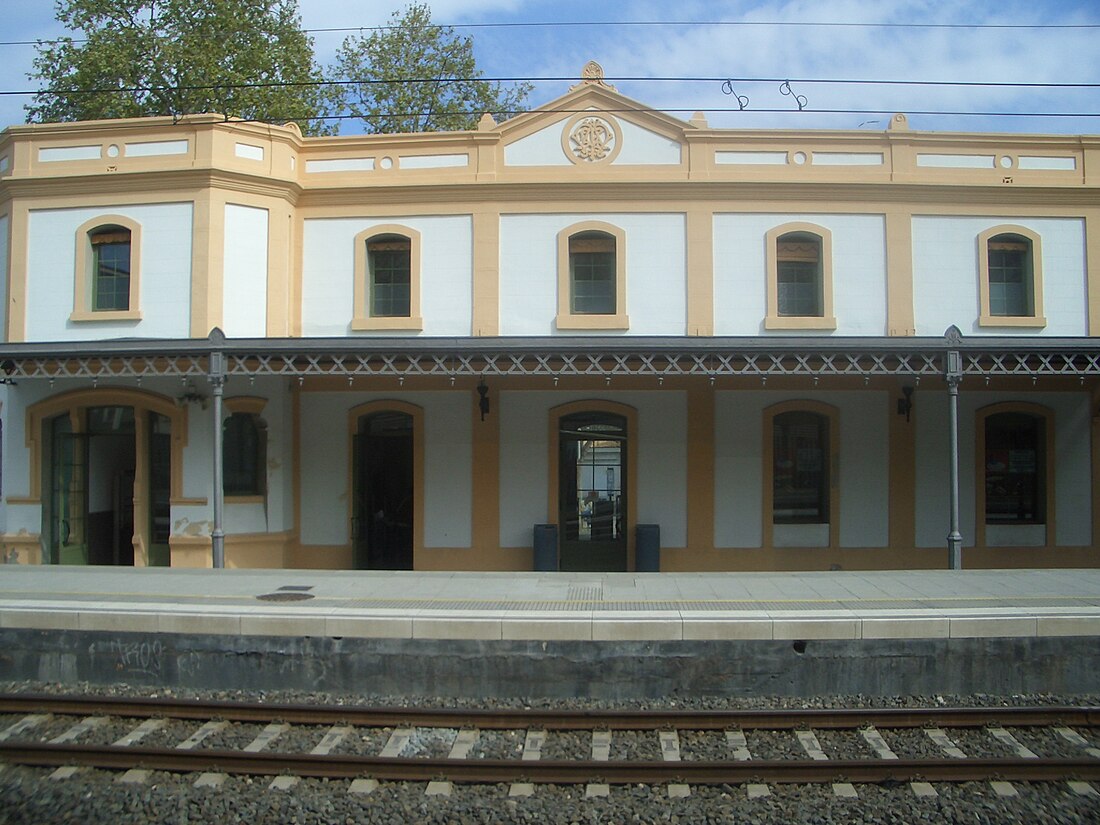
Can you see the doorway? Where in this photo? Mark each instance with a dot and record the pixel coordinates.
(592, 476)
(104, 484)
(383, 511)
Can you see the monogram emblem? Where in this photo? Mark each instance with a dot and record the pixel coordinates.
(592, 139)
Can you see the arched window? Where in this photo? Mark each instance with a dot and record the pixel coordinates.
(110, 268)
(244, 455)
(800, 277)
(1011, 277)
(800, 468)
(798, 274)
(592, 273)
(108, 272)
(389, 260)
(592, 277)
(387, 279)
(1015, 468)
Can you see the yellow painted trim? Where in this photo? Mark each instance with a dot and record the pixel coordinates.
(83, 280)
(980, 416)
(615, 408)
(773, 320)
(26, 546)
(903, 471)
(485, 481)
(566, 318)
(700, 271)
(362, 319)
(486, 288)
(767, 476)
(900, 314)
(1092, 270)
(985, 317)
(417, 414)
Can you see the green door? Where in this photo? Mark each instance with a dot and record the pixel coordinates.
(68, 493)
(592, 514)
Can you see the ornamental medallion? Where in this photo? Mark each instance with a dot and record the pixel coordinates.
(592, 139)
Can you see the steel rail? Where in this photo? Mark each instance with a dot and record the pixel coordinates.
(549, 771)
(551, 719)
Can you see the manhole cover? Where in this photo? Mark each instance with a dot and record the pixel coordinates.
(285, 596)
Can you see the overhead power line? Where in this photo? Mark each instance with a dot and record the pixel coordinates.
(541, 24)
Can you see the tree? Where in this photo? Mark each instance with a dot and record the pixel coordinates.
(241, 58)
(413, 76)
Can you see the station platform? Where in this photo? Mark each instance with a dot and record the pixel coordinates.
(606, 635)
(556, 606)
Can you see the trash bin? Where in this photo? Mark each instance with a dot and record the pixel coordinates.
(546, 547)
(647, 548)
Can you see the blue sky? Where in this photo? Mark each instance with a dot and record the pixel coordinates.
(706, 45)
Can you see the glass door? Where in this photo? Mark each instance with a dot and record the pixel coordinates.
(68, 493)
(592, 492)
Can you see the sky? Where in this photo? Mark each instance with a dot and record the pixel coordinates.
(674, 57)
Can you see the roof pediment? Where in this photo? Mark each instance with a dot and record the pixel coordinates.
(593, 125)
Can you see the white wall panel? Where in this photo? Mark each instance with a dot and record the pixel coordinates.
(165, 299)
(945, 274)
(446, 273)
(740, 272)
(656, 280)
(863, 471)
(244, 274)
(524, 453)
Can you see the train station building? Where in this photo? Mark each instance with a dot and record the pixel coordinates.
(591, 337)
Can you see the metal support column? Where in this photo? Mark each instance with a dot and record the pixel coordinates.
(217, 381)
(954, 378)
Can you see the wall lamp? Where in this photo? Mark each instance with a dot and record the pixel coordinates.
(483, 400)
(8, 367)
(905, 405)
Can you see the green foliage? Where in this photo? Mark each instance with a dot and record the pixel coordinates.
(137, 58)
(417, 77)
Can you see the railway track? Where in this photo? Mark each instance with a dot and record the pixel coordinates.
(677, 748)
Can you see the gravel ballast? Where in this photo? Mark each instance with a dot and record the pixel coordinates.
(95, 796)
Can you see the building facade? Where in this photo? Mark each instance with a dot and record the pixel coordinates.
(420, 350)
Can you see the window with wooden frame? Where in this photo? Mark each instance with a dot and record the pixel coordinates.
(1010, 277)
(244, 450)
(387, 279)
(592, 277)
(108, 273)
(800, 278)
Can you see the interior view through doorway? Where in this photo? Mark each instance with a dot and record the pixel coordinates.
(592, 492)
(94, 510)
(382, 471)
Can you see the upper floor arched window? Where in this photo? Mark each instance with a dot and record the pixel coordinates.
(800, 277)
(1010, 277)
(387, 279)
(592, 277)
(108, 271)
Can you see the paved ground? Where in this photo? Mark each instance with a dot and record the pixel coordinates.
(556, 606)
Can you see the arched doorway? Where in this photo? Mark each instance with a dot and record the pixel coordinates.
(592, 491)
(384, 491)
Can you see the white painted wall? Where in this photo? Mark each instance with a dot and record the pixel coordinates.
(1072, 473)
(740, 272)
(244, 273)
(524, 453)
(326, 465)
(945, 274)
(446, 273)
(165, 299)
(640, 146)
(656, 279)
(863, 465)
